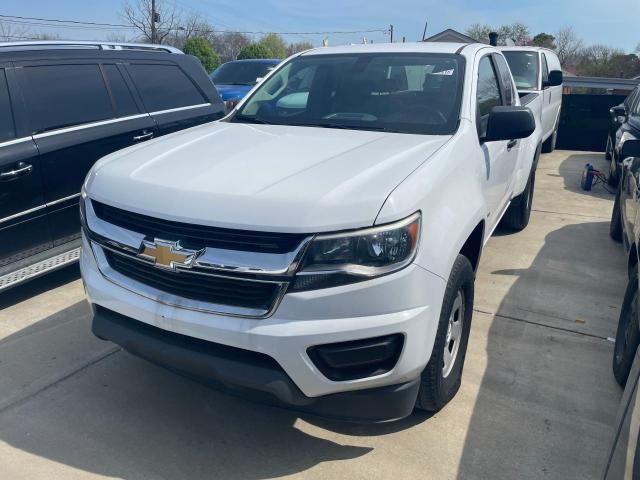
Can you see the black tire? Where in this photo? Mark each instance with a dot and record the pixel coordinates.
(608, 149)
(615, 226)
(550, 143)
(517, 215)
(627, 335)
(614, 176)
(436, 388)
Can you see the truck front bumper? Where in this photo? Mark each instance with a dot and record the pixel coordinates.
(252, 375)
(270, 358)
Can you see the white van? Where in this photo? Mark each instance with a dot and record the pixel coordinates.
(538, 77)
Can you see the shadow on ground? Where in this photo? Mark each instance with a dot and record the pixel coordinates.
(571, 171)
(126, 418)
(39, 285)
(547, 400)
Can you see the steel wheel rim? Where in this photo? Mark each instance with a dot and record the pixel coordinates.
(454, 334)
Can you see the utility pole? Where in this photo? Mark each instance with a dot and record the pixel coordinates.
(391, 32)
(154, 18)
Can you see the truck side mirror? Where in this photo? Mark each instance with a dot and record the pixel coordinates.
(630, 148)
(619, 114)
(553, 79)
(509, 123)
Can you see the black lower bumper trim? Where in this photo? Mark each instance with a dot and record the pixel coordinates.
(253, 375)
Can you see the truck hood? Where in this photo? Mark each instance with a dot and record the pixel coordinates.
(262, 177)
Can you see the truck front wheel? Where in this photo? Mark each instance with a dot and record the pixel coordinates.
(441, 378)
(517, 215)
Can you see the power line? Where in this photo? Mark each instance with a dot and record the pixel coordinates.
(111, 26)
(56, 20)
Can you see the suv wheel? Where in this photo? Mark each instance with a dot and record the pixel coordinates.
(615, 226)
(608, 152)
(517, 215)
(441, 378)
(627, 335)
(613, 177)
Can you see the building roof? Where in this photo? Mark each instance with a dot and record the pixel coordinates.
(450, 35)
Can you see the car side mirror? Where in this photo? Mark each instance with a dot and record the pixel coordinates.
(630, 148)
(554, 79)
(509, 123)
(618, 111)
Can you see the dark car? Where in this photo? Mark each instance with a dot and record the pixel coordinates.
(64, 105)
(234, 79)
(624, 125)
(623, 456)
(625, 228)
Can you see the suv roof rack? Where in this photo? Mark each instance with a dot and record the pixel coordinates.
(67, 44)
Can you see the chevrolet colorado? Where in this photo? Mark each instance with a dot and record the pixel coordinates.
(317, 247)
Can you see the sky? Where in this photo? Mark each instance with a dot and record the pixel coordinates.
(595, 21)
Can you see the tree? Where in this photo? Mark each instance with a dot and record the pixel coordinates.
(229, 44)
(254, 50)
(298, 47)
(518, 32)
(9, 32)
(275, 44)
(199, 47)
(138, 15)
(603, 61)
(190, 27)
(568, 46)
(544, 40)
(479, 32)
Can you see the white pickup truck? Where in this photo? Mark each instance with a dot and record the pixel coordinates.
(538, 77)
(317, 248)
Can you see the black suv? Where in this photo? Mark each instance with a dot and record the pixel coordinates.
(62, 107)
(624, 125)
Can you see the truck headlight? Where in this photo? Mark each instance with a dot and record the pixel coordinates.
(341, 258)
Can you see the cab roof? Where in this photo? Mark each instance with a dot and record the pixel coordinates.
(407, 47)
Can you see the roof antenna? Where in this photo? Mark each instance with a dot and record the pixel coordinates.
(493, 39)
(424, 33)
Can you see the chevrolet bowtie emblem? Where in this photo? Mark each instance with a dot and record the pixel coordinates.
(168, 255)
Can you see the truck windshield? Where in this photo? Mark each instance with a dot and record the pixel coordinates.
(241, 73)
(524, 68)
(395, 92)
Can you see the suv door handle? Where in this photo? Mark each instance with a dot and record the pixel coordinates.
(144, 136)
(511, 144)
(20, 170)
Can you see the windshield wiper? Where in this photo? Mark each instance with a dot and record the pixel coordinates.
(248, 119)
(341, 126)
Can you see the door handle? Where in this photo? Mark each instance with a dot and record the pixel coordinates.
(20, 170)
(144, 136)
(511, 144)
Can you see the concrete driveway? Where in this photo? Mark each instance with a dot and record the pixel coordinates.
(538, 397)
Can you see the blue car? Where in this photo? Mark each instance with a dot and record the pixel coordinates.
(234, 79)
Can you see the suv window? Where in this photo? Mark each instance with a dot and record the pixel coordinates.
(63, 95)
(488, 94)
(124, 102)
(7, 128)
(163, 87)
(631, 98)
(507, 83)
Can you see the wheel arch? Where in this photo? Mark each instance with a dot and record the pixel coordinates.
(472, 247)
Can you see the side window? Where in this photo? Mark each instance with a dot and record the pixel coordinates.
(545, 68)
(488, 94)
(507, 82)
(7, 128)
(124, 102)
(163, 87)
(628, 102)
(64, 95)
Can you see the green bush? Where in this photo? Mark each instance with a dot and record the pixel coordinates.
(199, 47)
(254, 50)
